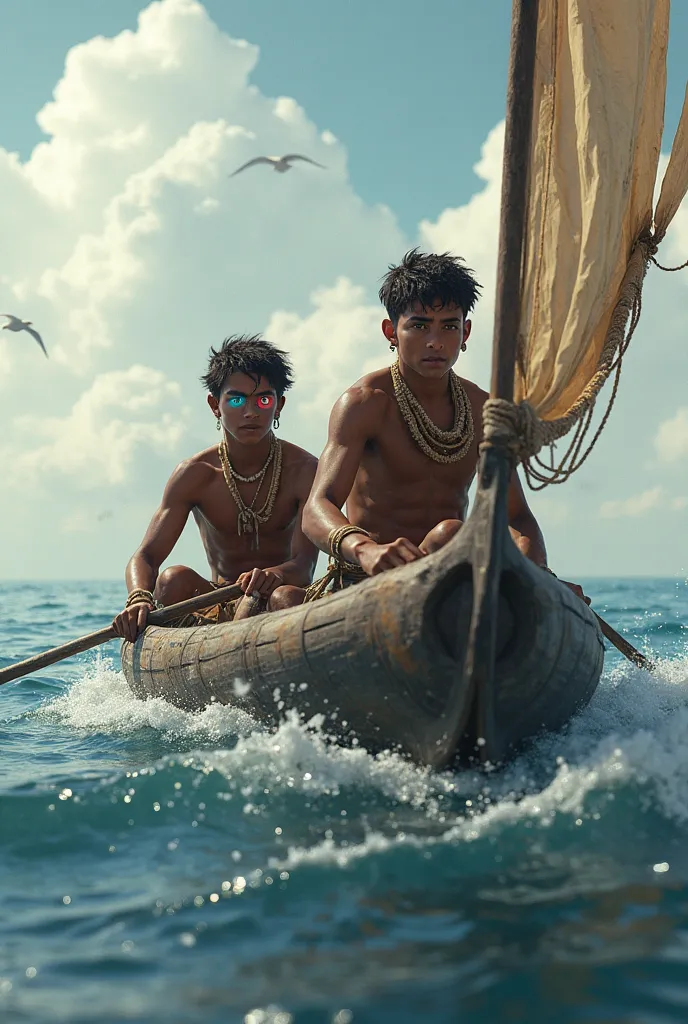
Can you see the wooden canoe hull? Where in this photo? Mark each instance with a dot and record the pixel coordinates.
(384, 661)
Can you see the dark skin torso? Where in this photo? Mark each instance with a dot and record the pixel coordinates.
(216, 515)
(409, 504)
(198, 487)
(397, 490)
(247, 410)
(391, 488)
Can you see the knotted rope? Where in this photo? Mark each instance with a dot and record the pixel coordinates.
(520, 430)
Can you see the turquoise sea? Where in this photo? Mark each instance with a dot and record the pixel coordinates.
(159, 866)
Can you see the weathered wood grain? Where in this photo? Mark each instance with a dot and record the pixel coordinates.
(384, 661)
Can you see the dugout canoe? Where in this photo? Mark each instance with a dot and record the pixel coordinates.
(391, 662)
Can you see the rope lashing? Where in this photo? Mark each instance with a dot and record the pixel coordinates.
(518, 427)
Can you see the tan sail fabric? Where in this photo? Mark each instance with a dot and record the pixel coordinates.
(675, 182)
(598, 120)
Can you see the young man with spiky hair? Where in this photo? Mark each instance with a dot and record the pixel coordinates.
(246, 494)
(402, 449)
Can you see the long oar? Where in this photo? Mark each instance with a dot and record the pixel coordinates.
(628, 650)
(101, 636)
(194, 604)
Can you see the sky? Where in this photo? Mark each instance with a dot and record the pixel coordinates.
(131, 250)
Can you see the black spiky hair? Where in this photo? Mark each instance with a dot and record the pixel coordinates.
(430, 279)
(252, 355)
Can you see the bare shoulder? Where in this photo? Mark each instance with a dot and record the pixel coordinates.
(368, 399)
(476, 396)
(192, 475)
(298, 459)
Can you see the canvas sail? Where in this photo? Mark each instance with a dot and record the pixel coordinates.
(598, 117)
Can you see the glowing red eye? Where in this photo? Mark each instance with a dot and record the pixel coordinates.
(266, 401)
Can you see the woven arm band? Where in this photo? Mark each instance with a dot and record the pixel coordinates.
(335, 538)
(140, 596)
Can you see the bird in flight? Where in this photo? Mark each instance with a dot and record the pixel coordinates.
(15, 324)
(281, 164)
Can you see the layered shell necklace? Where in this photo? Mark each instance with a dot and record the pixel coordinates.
(249, 518)
(440, 445)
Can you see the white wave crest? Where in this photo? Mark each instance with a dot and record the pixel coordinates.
(634, 730)
(101, 701)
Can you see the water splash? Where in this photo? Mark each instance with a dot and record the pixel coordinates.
(102, 702)
(633, 732)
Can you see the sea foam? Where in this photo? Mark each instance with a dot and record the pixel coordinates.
(634, 730)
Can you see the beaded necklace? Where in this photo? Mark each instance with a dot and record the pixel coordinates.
(261, 472)
(249, 518)
(440, 445)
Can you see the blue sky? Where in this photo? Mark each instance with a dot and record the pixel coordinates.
(411, 90)
(404, 89)
(411, 95)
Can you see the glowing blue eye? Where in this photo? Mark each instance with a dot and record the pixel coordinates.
(236, 401)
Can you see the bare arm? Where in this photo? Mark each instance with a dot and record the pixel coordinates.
(355, 419)
(531, 542)
(523, 522)
(164, 530)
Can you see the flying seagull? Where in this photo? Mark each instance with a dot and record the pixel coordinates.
(281, 164)
(15, 324)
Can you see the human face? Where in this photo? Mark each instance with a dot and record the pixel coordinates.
(429, 340)
(247, 410)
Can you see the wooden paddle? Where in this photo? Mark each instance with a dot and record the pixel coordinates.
(101, 636)
(621, 644)
(628, 650)
(194, 604)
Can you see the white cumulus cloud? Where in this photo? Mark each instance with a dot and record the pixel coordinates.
(472, 231)
(671, 440)
(127, 229)
(331, 347)
(635, 506)
(132, 247)
(133, 252)
(96, 442)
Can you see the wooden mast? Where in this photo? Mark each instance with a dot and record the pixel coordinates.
(490, 513)
(515, 172)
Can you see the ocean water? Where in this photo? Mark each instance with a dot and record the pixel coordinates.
(159, 866)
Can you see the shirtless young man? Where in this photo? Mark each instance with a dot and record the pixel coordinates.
(246, 494)
(403, 441)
